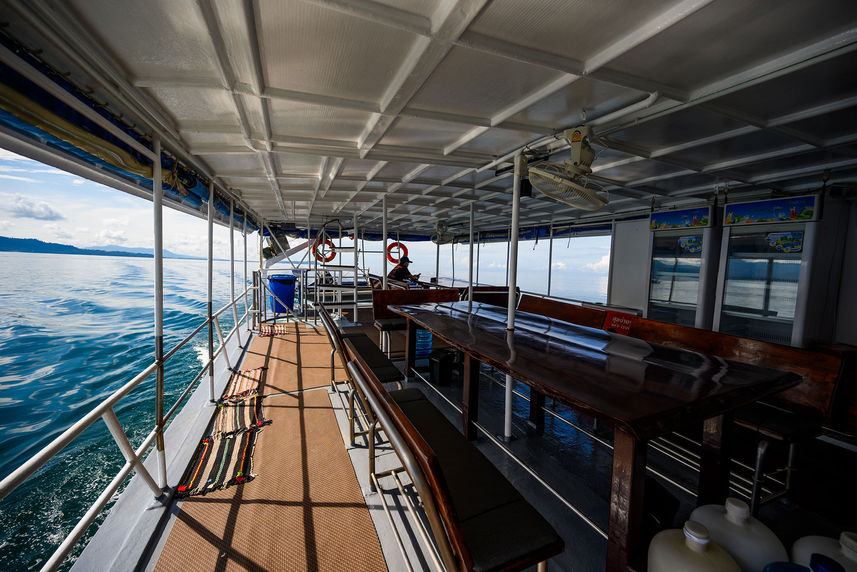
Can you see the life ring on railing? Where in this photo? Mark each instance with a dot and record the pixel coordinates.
(403, 251)
(324, 251)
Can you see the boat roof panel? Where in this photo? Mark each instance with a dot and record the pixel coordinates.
(305, 110)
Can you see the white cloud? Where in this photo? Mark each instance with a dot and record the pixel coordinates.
(22, 207)
(559, 265)
(109, 236)
(78, 182)
(602, 265)
(17, 178)
(500, 265)
(4, 224)
(119, 221)
(9, 156)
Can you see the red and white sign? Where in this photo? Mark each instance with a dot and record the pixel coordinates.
(618, 322)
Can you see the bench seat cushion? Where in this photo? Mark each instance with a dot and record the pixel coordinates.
(390, 324)
(498, 524)
(381, 366)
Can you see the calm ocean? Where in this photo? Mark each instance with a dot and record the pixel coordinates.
(72, 330)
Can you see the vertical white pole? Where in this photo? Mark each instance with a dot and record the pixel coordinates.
(210, 291)
(452, 260)
(232, 268)
(355, 319)
(470, 276)
(508, 247)
(384, 232)
(478, 252)
(244, 287)
(550, 258)
(513, 281)
(157, 202)
(437, 263)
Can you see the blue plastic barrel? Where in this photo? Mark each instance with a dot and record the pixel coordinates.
(283, 287)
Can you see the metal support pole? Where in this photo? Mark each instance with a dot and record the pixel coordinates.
(550, 259)
(210, 291)
(384, 232)
(478, 252)
(437, 264)
(128, 452)
(157, 201)
(232, 270)
(260, 293)
(452, 259)
(356, 254)
(513, 281)
(244, 287)
(508, 247)
(470, 276)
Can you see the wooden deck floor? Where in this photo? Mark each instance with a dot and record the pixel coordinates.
(304, 510)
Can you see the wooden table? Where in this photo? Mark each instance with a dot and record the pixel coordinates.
(643, 390)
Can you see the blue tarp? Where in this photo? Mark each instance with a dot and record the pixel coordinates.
(179, 182)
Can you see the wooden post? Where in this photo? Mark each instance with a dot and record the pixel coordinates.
(626, 502)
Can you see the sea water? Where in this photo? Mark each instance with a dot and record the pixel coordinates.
(73, 329)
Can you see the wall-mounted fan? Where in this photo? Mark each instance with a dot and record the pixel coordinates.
(569, 182)
(441, 233)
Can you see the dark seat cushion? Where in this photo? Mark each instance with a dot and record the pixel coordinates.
(389, 324)
(371, 355)
(350, 332)
(500, 527)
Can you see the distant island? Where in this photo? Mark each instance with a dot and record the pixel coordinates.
(8, 244)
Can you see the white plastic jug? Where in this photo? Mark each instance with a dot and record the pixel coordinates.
(752, 544)
(843, 550)
(690, 550)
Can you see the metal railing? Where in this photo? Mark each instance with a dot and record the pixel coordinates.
(133, 457)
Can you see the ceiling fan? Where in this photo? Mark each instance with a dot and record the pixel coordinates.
(569, 182)
(441, 233)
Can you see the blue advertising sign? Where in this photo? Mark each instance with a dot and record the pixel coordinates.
(792, 209)
(686, 218)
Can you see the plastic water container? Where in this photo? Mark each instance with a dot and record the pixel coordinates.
(423, 342)
(690, 550)
(752, 544)
(844, 550)
(283, 287)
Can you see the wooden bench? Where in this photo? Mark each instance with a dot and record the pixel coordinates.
(351, 343)
(789, 416)
(494, 295)
(386, 321)
(478, 519)
(581, 315)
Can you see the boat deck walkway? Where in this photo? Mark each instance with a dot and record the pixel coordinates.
(304, 510)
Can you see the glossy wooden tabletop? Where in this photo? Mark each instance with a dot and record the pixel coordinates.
(644, 388)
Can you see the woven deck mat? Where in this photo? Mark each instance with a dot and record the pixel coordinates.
(225, 456)
(304, 511)
(295, 361)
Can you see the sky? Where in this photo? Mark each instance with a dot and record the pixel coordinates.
(38, 201)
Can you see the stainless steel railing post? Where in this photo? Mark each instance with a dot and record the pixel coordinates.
(121, 439)
(210, 292)
(157, 200)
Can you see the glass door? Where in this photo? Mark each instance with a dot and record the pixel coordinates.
(674, 284)
(761, 283)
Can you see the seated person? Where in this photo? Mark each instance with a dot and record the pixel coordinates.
(401, 272)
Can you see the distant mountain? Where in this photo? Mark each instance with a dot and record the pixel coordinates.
(140, 250)
(34, 245)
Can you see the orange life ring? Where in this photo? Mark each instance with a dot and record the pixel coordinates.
(319, 253)
(403, 251)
